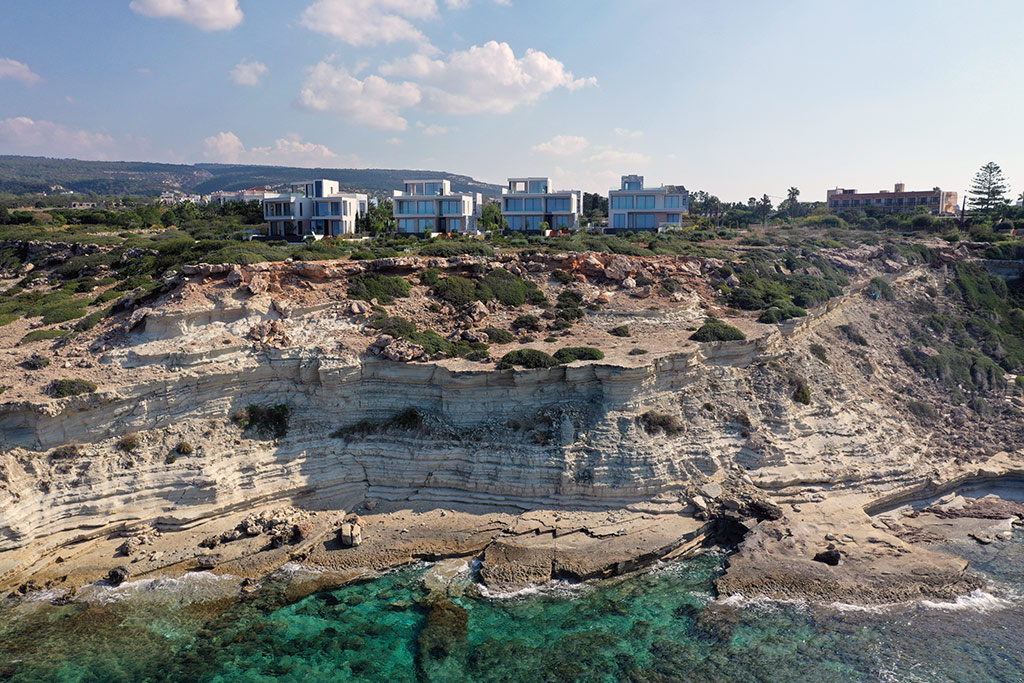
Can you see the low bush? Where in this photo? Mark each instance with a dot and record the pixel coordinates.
(66, 452)
(384, 288)
(853, 334)
(801, 392)
(574, 353)
(498, 336)
(560, 276)
(620, 331)
(62, 388)
(266, 421)
(455, 289)
(654, 422)
(37, 362)
(42, 335)
(818, 351)
(430, 277)
(183, 448)
(922, 411)
(526, 322)
(637, 352)
(715, 330)
(879, 289)
(445, 250)
(781, 313)
(528, 358)
(129, 443)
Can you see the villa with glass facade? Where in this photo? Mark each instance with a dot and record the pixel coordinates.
(318, 210)
(526, 203)
(428, 206)
(635, 207)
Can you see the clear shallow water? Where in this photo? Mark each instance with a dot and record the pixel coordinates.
(661, 625)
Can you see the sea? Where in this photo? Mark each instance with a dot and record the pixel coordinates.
(664, 623)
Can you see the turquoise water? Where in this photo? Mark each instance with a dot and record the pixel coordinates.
(659, 625)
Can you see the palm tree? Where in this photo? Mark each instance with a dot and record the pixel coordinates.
(792, 194)
(1020, 198)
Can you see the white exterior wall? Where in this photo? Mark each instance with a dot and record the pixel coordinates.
(417, 213)
(297, 215)
(519, 217)
(625, 211)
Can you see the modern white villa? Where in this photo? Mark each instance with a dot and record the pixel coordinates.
(635, 207)
(319, 210)
(426, 207)
(527, 203)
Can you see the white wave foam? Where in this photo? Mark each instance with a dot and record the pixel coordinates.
(977, 600)
(558, 588)
(192, 587)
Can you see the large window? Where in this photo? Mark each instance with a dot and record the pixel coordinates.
(513, 204)
(673, 218)
(643, 220)
(533, 204)
(561, 222)
(450, 208)
(454, 224)
(619, 220)
(645, 201)
(431, 188)
(622, 202)
(672, 201)
(515, 222)
(533, 222)
(538, 187)
(407, 225)
(558, 204)
(632, 186)
(426, 224)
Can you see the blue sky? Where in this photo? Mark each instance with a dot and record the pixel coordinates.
(736, 98)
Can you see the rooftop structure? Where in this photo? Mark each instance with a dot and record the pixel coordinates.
(527, 203)
(428, 206)
(899, 199)
(635, 207)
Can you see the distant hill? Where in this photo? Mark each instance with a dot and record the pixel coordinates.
(23, 175)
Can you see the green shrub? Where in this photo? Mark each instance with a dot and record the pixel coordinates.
(922, 411)
(574, 353)
(527, 339)
(42, 335)
(129, 443)
(184, 448)
(654, 422)
(781, 313)
(818, 351)
(498, 336)
(560, 276)
(853, 334)
(66, 452)
(456, 290)
(383, 288)
(430, 277)
(62, 388)
(879, 289)
(90, 321)
(449, 249)
(715, 330)
(37, 362)
(637, 352)
(62, 312)
(801, 392)
(8, 318)
(528, 358)
(508, 289)
(620, 331)
(267, 421)
(526, 322)
(395, 326)
(106, 296)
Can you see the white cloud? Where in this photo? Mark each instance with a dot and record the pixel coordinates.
(627, 133)
(373, 101)
(562, 145)
(394, 141)
(22, 134)
(371, 22)
(618, 158)
(432, 129)
(485, 78)
(248, 73)
(10, 68)
(208, 15)
(290, 150)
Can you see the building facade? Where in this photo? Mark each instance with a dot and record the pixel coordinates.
(250, 194)
(898, 200)
(635, 207)
(314, 209)
(526, 203)
(428, 206)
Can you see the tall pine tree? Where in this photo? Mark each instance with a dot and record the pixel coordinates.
(989, 188)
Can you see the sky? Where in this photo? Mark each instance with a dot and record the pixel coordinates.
(736, 98)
